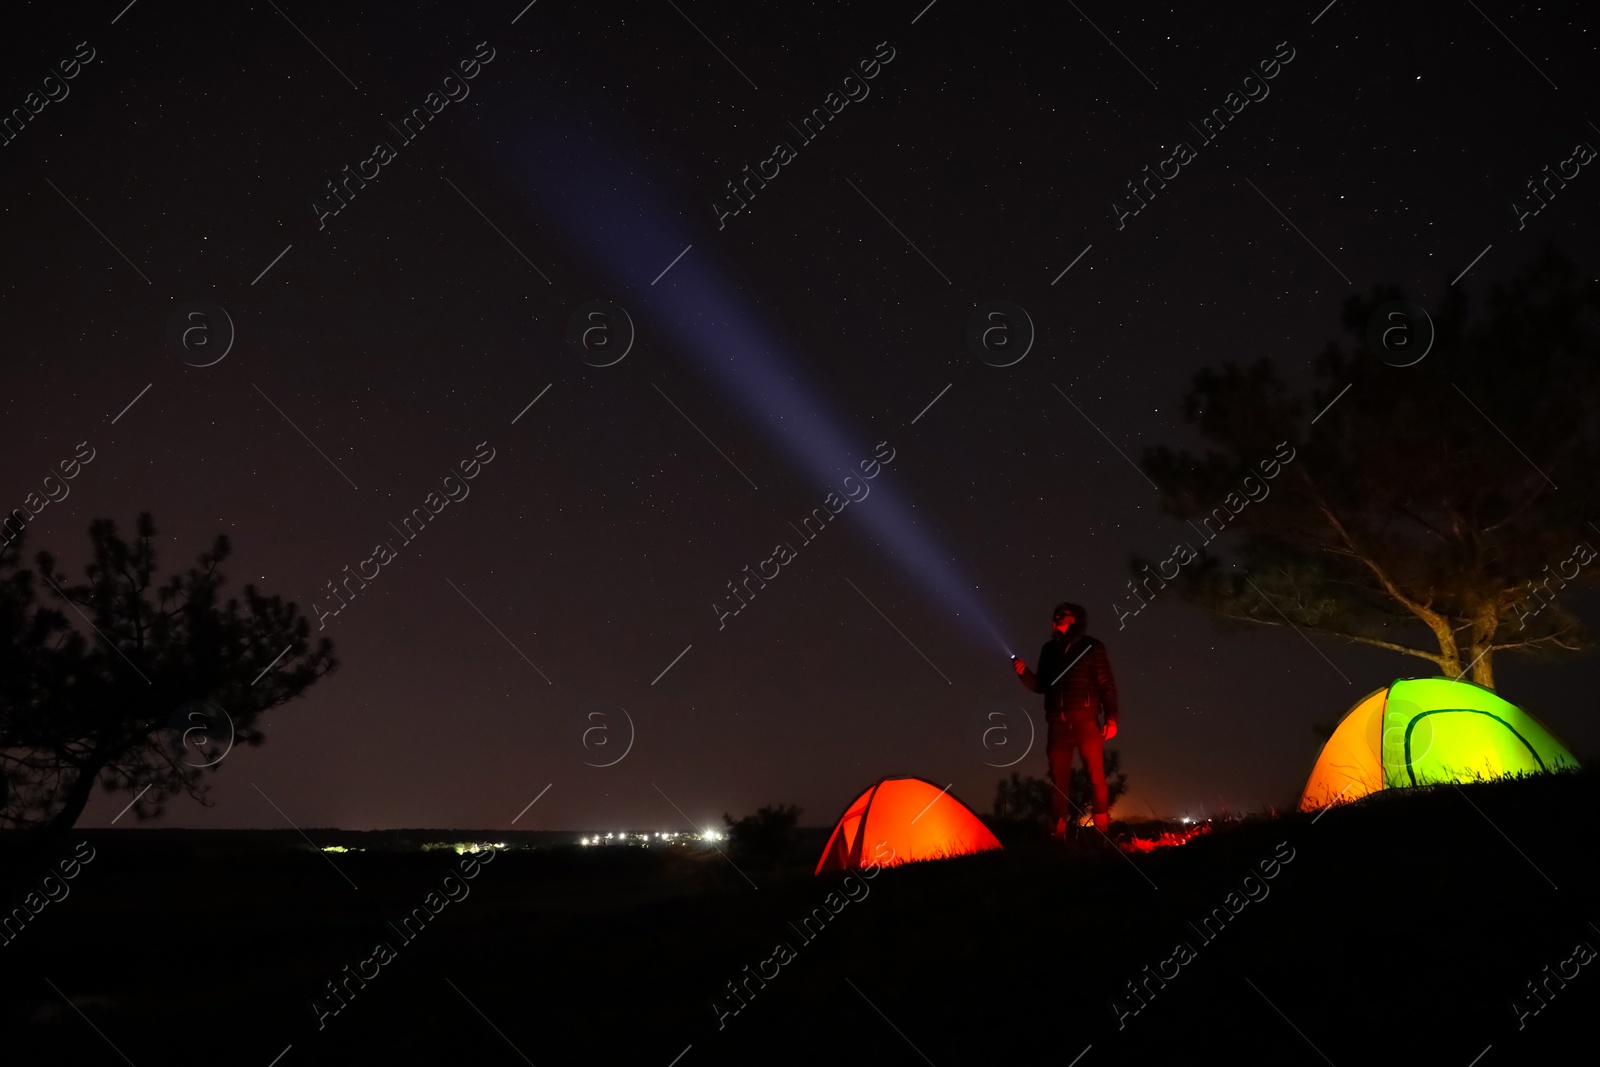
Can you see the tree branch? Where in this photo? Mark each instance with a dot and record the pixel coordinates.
(1377, 642)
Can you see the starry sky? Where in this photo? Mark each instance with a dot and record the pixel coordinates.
(563, 614)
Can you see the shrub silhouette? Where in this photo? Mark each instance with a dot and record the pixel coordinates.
(766, 836)
(1022, 804)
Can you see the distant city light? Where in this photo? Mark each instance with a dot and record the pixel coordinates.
(462, 847)
(645, 838)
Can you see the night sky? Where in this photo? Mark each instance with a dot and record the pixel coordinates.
(189, 160)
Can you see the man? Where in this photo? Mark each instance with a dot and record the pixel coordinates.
(1075, 678)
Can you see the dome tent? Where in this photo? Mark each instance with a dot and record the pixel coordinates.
(1425, 731)
(898, 820)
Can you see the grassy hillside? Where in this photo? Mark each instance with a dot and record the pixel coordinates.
(1403, 926)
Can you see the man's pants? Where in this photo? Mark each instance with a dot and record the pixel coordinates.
(1079, 733)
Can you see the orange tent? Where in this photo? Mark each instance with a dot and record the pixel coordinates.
(1348, 766)
(898, 820)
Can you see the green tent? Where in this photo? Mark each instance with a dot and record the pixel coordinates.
(1426, 731)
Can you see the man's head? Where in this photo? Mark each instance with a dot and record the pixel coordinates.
(1069, 619)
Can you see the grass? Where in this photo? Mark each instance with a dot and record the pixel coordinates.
(1403, 927)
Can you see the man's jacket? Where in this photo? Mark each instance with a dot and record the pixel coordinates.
(1075, 678)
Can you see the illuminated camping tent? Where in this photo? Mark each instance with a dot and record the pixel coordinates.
(1422, 731)
(898, 820)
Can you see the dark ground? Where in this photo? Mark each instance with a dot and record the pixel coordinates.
(1399, 932)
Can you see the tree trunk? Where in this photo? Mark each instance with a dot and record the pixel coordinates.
(1451, 667)
(1449, 651)
(77, 799)
(1484, 628)
(1483, 671)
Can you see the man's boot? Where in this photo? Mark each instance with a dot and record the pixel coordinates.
(1102, 821)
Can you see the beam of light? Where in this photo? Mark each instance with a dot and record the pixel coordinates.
(610, 211)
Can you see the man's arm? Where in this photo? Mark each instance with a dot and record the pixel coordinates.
(1029, 680)
(1107, 684)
